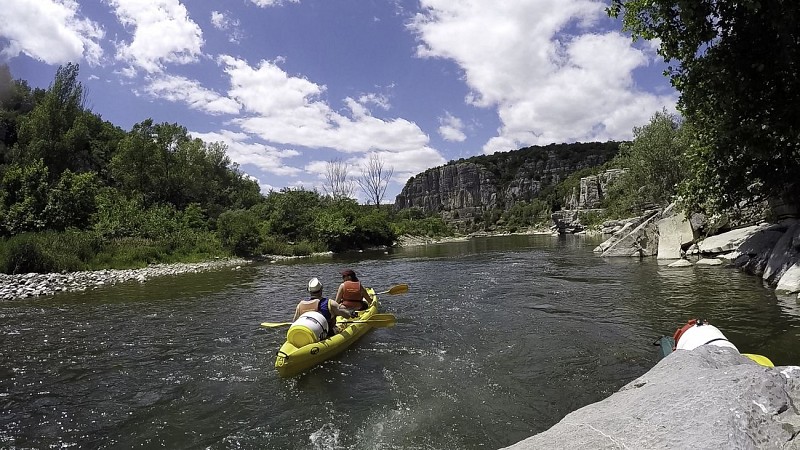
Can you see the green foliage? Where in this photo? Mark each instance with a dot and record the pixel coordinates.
(591, 219)
(23, 198)
(432, 226)
(116, 215)
(739, 81)
(48, 252)
(334, 225)
(46, 132)
(137, 165)
(16, 100)
(655, 164)
(527, 214)
(305, 248)
(193, 217)
(180, 246)
(23, 254)
(372, 228)
(71, 202)
(291, 213)
(239, 232)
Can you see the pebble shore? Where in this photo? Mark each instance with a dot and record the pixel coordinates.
(39, 284)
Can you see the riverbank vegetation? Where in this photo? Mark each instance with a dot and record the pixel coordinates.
(79, 193)
(735, 68)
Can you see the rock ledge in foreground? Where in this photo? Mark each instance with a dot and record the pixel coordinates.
(707, 398)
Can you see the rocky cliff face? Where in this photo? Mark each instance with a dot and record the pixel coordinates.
(592, 190)
(456, 190)
(461, 191)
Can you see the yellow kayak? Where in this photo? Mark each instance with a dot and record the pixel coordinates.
(292, 360)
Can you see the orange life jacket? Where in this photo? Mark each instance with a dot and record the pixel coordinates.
(351, 294)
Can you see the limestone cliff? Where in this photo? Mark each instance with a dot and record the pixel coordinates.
(463, 190)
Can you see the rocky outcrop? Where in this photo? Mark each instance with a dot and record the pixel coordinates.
(457, 191)
(674, 232)
(585, 200)
(462, 191)
(771, 251)
(592, 190)
(636, 238)
(706, 398)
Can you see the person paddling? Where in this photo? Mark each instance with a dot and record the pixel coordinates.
(328, 308)
(352, 294)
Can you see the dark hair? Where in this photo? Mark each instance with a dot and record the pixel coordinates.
(350, 273)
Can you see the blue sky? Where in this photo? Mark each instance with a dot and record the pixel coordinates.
(289, 85)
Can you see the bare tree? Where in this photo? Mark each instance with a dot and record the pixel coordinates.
(374, 179)
(336, 183)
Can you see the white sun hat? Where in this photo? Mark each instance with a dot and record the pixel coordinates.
(314, 285)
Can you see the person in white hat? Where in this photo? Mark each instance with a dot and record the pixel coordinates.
(316, 302)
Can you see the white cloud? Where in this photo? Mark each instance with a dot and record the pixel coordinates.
(380, 100)
(268, 3)
(243, 151)
(533, 61)
(289, 110)
(163, 33)
(451, 128)
(224, 23)
(180, 89)
(51, 31)
(218, 20)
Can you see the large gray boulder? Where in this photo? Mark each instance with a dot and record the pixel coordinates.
(674, 232)
(706, 398)
(640, 241)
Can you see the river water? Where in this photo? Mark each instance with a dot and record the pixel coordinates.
(498, 339)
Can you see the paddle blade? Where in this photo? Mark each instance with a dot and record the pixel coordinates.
(760, 359)
(382, 323)
(377, 320)
(275, 324)
(399, 289)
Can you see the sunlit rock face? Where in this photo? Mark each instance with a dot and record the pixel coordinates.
(456, 190)
(464, 190)
(706, 398)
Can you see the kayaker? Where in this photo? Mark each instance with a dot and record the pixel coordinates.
(328, 308)
(352, 294)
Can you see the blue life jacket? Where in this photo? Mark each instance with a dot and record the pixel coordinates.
(323, 309)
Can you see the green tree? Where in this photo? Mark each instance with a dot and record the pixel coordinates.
(334, 226)
(16, 100)
(23, 198)
(238, 232)
(137, 165)
(42, 133)
(71, 202)
(291, 213)
(737, 74)
(655, 164)
(116, 215)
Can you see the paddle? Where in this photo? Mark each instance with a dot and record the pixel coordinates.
(377, 320)
(394, 290)
(760, 359)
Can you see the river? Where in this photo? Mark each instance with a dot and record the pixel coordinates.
(497, 339)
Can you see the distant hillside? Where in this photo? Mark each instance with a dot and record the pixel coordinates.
(462, 191)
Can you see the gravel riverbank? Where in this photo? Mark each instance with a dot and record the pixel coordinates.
(39, 284)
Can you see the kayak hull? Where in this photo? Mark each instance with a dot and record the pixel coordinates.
(291, 360)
